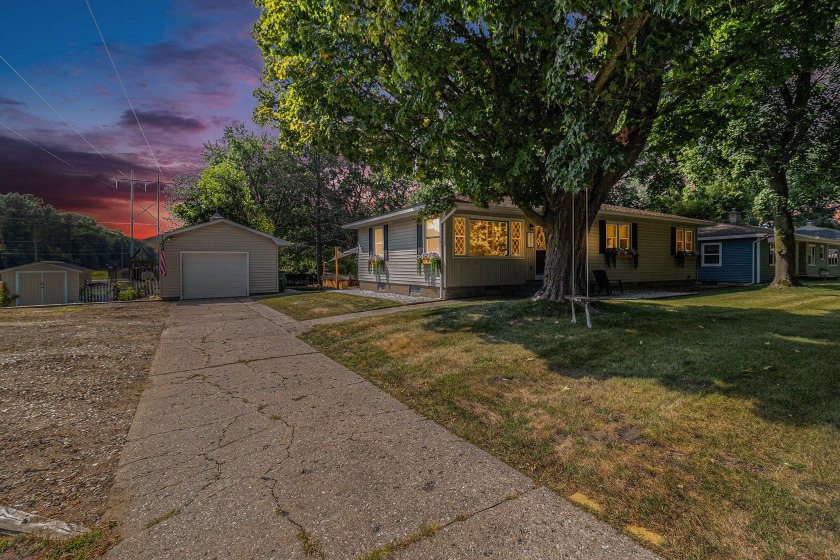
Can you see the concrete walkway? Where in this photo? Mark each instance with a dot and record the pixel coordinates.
(251, 444)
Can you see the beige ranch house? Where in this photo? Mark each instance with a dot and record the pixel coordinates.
(498, 250)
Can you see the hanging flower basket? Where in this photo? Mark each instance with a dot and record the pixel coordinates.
(614, 253)
(682, 255)
(376, 264)
(432, 259)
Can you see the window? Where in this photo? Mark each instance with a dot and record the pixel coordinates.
(685, 240)
(812, 255)
(488, 238)
(379, 241)
(432, 231)
(540, 244)
(618, 236)
(516, 239)
(478, 237)
(771, 259)
(460, 236)
(711, 254)
(822, 253)
(832, 257)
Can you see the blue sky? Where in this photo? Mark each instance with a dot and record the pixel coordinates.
(189, 66)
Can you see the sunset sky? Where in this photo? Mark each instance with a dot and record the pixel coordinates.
(189, 67)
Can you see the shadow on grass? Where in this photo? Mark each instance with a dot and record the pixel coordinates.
(779, 351)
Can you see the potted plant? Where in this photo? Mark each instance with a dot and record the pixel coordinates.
(823, 271)
(614, 253)
(432, 259)
(682, 255)
(376, 264)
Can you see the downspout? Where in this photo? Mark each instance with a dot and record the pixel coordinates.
(444, 265)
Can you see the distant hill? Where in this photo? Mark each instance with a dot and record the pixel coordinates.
(31, 230)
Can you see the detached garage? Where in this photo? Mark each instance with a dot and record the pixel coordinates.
(46, 282)
(218, 259)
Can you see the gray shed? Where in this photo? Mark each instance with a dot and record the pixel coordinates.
(218, 259)
(46, 282)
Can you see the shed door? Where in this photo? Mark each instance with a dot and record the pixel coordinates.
(213, 274)
(41, 288)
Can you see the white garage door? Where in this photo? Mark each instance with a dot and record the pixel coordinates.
(213, 275)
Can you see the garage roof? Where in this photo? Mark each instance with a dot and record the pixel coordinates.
(216, 219)
(59, 264)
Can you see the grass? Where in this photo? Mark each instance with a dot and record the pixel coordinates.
(308, 545)
(713, 421)
(385, 552)
(324, 304)
(168, 515)
(94, 544)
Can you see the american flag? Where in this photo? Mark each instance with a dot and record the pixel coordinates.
(162, 262)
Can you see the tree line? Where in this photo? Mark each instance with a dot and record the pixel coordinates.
(31, 231)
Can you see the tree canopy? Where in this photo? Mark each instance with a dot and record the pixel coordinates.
(533, 102)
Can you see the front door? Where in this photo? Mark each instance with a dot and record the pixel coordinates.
(539, 265)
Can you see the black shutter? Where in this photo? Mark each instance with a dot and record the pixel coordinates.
(602, 236)
(370, 242)
(419, 238)
(634, 236)
(673, 240)
(385, 239)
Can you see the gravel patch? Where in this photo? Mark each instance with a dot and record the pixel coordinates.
(70, 380)
(384, 295)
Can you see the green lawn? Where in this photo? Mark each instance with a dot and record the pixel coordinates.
(713, 421)
(315, 305)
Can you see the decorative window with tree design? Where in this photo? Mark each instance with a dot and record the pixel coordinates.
(540, 239)
(479, 237)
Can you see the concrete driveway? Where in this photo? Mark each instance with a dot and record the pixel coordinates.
(251, 444)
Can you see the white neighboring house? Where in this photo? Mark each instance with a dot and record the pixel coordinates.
(218, 259)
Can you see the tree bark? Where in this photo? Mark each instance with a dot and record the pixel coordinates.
(562, 242)
(783, 231)
(319, 242)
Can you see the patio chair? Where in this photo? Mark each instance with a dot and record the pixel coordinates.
(604, 283)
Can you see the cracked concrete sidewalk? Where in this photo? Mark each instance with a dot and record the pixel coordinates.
(249, 440)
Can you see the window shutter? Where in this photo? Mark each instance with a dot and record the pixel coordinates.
(634, 236)
(602, 236)
(370, 241)
(385, 238)
(419, 238)
(673, 240)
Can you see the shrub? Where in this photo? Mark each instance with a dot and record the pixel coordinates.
(6, 297)
(127, 294)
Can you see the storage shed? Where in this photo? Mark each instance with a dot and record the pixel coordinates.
(217, 259)
(46, 282)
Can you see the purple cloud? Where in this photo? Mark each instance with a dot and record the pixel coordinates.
(162, 120)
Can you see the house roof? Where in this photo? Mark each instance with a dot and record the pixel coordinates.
(216, 219)
(507, 207)
(730, 230)
(59, 264)
(725, 230)
(819, 232)
(611, 209)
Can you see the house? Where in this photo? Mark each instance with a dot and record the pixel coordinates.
(736, 252)
(46, 282)
(498, 250)
(219, 258)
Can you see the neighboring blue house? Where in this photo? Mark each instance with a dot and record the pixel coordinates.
(739, 253)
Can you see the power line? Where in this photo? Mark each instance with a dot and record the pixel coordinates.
(51, 107)
(37, 146)
(114, 66)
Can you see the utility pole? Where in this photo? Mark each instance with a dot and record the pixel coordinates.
(131, 235)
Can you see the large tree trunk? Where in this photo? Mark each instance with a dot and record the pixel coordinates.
(783, 231)
(319, 242)
(562, 242)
